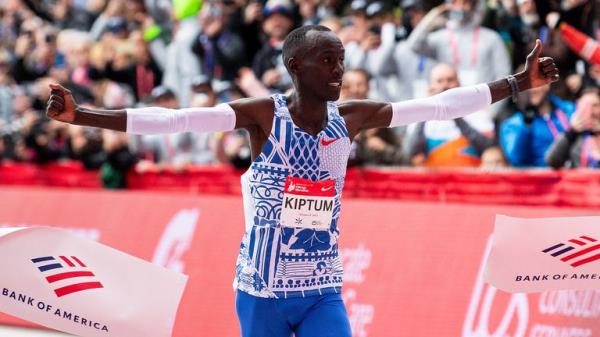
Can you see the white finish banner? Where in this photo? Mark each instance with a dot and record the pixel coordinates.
(57, 279)
(536, 255)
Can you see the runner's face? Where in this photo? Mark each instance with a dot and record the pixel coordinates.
(321, 67)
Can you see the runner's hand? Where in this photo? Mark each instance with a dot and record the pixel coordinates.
(61, 105)
(540, 71)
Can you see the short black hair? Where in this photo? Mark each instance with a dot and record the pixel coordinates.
(296, 40)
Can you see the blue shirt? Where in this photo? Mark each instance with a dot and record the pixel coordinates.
(526, 145)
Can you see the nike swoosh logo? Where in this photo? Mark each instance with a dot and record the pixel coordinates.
(326, 142)
(325, 189)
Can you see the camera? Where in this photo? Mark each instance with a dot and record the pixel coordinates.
(375, 29)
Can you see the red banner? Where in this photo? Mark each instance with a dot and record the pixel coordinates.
(411, 269)
(570, 188)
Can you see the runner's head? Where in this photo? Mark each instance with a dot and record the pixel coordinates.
(314, 57)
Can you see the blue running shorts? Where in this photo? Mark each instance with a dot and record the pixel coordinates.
(313, 316)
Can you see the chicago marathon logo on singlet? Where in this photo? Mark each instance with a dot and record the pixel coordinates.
(307, 203)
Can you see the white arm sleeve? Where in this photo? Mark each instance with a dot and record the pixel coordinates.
(154, 120)
(450, 104)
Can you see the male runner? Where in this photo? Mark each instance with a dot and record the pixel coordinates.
(288, 273)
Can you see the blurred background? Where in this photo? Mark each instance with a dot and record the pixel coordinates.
(536, 156)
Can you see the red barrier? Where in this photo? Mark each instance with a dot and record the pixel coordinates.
(575, 188)
(411, 269)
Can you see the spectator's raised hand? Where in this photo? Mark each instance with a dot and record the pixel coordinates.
(24, 45)
(540, 71)
(114, 8)
(370, 41)
(271, 77)
(252, 13)
(61, 105)
(581, 120)
(587, 115)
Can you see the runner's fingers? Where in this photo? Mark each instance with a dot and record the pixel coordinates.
(57, 98)
(546, 60)
(549, 67)
(56, 107)
(551, 72)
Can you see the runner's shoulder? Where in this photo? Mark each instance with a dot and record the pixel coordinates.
(356, 105)
(254, 112)
(254, 106)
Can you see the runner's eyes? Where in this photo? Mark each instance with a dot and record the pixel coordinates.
(329, 59)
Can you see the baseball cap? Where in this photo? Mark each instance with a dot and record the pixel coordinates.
(358, 6)
(377, 8)
(278, 6)
(116, 24)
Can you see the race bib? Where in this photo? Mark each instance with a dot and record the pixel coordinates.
(307, 203)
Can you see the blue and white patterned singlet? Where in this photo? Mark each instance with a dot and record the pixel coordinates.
(279, 261)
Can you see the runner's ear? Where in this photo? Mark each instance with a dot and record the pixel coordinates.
(293, 65)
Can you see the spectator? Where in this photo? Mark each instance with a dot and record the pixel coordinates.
(234, 148)
(526, 136)
(374, 50)
(580, 145)
(477, 52)
(34, 52)
(246, 22)
(141, 75)
(355, 85)
(6, 88)
(219, 47)
(592, 78)
(119, 159)
(450, 143)
(533, 26)
(114, 53)
(375, 146)
(85, 145)
(177, 60)
(358, 25)
(309, 11)
(63, 14)
(7, 148)
(493, 159)
(268, 63)
(412, 69)
(46, 140)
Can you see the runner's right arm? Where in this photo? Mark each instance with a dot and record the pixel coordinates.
(244, 113)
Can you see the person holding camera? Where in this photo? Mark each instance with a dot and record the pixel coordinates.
(542, 118)
(580, 145)
(477, 52)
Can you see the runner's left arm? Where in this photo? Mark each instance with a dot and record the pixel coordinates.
(453, 103)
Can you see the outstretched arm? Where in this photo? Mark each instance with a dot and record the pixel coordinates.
(154, 120)
(453, 103)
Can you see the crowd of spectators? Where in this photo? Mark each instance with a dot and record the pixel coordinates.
(194, 53)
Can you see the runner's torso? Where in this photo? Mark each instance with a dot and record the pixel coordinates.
(292, 205)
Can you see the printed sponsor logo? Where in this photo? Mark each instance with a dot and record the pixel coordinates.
(579, 251)
(68, 269)
(57, 312)
(327, 142)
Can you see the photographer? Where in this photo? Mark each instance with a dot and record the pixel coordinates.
(580, 146)
(526, 136)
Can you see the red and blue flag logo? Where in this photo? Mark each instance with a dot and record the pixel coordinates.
(66, 273)
(581, 250)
